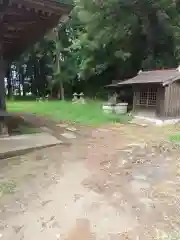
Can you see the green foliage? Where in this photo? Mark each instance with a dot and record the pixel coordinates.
(138, 34)
(121, 36)
(7, 187)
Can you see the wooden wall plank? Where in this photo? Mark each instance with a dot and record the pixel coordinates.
(172, 100)
(135, 98)
(166, 101)
(160, 101)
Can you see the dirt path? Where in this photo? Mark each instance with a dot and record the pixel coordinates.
(110, 184)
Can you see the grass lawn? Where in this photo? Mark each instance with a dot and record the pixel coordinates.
(175, 138)
(90, 113)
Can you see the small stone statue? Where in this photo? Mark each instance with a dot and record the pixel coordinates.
(81, 98)
(47, 97)
(113, 99)
(75, 98)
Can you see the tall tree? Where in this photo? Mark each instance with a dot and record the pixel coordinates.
(129, 34)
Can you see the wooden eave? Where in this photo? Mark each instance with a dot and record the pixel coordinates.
(24, 22)
(170, 81)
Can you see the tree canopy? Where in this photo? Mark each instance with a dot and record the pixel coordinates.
(102, 41)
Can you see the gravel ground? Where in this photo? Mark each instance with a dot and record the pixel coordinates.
(114, 182)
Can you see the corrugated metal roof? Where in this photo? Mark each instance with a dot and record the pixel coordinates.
(157, 76)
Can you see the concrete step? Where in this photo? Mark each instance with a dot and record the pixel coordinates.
(21, 144)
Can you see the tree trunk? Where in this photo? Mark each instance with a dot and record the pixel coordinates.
(59, 94)
(61, 87)
(23, 85)
(61, 90)
(19, 83)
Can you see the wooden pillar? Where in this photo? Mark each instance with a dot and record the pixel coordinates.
(3, 127)
(2, 65)
(134, 99)
(2, 85)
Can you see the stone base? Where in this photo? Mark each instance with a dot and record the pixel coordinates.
(3, 130)
(158, 121)
(17, 145)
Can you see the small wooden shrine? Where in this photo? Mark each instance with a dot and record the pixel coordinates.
(22, 23)
(156, 93)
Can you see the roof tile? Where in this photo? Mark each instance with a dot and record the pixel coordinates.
(155, 76)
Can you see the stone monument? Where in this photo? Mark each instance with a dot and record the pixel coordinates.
(81, 98)
(75, 98)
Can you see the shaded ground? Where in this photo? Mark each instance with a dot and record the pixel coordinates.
(115, 182)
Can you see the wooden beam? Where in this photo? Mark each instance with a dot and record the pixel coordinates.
(11, 28)
(22, 12)
(3, 7)
(20, 9)
(10, 35)
(32, 19)
(31, 35)
(7, 42)
(45, 6)
(25, 17)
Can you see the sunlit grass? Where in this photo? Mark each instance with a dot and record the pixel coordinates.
(7, 187)
(175, 138)
(90, 113)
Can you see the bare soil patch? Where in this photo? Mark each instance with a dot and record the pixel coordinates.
(113, 182)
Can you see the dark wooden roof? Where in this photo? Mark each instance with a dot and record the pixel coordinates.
(163, 77)
(24, 22)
